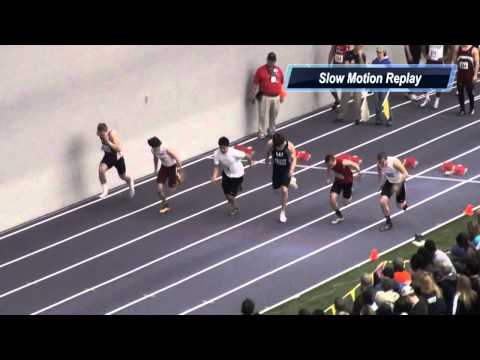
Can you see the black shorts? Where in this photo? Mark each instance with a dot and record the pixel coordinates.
(279, 179)
(110, 159)
(345, 188)
(231, 186)
(387, 190)
(167, 173)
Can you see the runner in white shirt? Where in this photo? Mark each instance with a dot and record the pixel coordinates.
(169, 170)
(233, 171)
(395, 173)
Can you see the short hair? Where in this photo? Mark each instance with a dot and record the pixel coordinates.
(416, 262)
(318, 312)
(472, 266)
(366, 279)
(329, 158)
(462, 239)
(102, 127)
(248, 306)
(430, 246)
(303, 312)
(381, 156)
(388, 272)
(368, 296)
(154, 142)
(223, 141)
(340, 304)
(398, 264)
(278, 139)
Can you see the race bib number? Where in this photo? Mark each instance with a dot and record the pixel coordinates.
(463, 65)
(339, 58)
(436, 53)
(273, 79)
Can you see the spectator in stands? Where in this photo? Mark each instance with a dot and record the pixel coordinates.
(466, 300)
(248, 307)
(447, 281)
(385, 309)
(430, 291)
(462, 248)
(425, 260)
(381, 59)
(303, 312)
(369, 307)
(401, 276)
(341, 307)
(387, 295)
(366, 282)
(417, 306)
(473, 272)
(439, 256)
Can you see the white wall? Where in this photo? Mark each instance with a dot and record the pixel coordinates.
(52, 98)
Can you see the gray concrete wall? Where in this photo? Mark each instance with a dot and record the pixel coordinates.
(52, 98)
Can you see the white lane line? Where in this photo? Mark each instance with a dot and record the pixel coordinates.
(383, 253)
(154, 176)
(273, 240)
(208, 237)
(23, 257)
(323, 248)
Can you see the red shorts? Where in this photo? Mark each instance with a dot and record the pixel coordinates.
(169, 173)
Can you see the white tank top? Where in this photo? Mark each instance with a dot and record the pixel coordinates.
(164, 157)
(390, 172)
(435, 52)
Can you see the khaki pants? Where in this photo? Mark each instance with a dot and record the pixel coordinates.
(356, 105)
(268, 106)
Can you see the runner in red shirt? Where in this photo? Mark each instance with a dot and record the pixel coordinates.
(343, 182)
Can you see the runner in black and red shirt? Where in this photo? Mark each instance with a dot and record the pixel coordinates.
(343, 182)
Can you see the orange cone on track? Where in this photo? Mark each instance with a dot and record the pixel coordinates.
(410, 162)
(447, 167)
(469, 210)
(374, 254)
(460, 170)
(246, 149)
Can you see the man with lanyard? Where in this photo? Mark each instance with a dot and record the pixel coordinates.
(112, 157)
(395, 173)
(337, 57)
(343, 183)
(467, 73)
(435, 55)
(267, 89)
(233, 171)
(170, 166)
(284, 161)
(355, 56)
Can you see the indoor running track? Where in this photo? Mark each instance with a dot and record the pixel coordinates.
(119, 256)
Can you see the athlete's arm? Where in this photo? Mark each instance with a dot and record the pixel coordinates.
(113, 141)
(268, 152)
(216, 173)
(475, 56)
(352, 165)
(293, 165)
(408, 54)
(155, 164)
(174, 155)
(380, 177)
(331, 54)
(397, 164)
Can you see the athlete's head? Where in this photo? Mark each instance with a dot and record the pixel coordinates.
(278, 140)
(223, 144)
(271, 59)
(330, 161)
(102, 128)
(382, 160)
(248, 307)
(381, 52)
(154, 142)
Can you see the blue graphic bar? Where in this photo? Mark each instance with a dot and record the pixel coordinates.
(368, 77)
